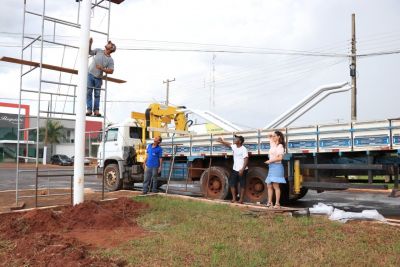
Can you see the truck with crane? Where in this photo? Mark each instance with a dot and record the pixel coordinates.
(320, 157)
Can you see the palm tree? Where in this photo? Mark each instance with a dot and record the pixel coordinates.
(51, 134)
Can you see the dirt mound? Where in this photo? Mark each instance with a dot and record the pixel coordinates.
(107, 216)
(88, 215)
(66, 236)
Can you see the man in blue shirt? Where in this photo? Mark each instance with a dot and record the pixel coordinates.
(152, 164)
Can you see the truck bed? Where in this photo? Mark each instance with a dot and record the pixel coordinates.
(344, 137)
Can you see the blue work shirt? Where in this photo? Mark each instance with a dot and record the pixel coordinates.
(153, 156)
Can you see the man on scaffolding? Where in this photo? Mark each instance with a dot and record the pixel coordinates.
(102, 62)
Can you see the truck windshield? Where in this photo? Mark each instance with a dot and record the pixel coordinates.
(135, 132)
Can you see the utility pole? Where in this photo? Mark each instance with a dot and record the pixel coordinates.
(353, 69)
(167, 82)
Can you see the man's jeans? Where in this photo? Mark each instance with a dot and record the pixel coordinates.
(150, 175)
(93, 84)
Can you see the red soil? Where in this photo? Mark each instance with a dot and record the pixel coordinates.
(65, 236)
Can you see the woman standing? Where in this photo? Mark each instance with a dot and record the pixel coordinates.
(275, 172)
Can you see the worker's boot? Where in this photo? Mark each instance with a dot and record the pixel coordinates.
(97, 114)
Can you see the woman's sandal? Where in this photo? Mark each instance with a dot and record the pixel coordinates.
(269, 205)
(277, 206)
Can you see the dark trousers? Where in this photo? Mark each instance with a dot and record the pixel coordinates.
(235, 178)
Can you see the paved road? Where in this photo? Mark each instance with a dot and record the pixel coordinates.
(350, 201)
(27, 178)
(354, 201)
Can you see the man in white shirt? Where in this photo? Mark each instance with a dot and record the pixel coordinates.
(240, 161)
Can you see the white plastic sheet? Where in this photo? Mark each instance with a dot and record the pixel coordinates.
(321, 208)
(344, 216)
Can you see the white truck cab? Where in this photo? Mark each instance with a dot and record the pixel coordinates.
(121, 139)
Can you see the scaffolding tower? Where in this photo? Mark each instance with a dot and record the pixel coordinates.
(50, 86)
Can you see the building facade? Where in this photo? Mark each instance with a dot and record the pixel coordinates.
(9, 134)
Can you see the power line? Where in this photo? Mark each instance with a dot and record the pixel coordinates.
(312, 54)
(382, 53)
(239, 49)
(306, 54)
(372, 38)
(187, 43)
(253, 69)
(282, 81)
(270, 76)
(288, 53)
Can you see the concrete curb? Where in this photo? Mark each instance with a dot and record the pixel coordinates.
(377, 191)
(222, 202)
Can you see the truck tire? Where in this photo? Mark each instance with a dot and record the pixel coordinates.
(256, 189)
(111, 177)
(214, 183)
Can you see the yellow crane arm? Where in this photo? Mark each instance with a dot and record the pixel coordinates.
(157, 116)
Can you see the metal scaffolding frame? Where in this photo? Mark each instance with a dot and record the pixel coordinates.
(27, 42)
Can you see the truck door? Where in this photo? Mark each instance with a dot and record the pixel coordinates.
(112, 148)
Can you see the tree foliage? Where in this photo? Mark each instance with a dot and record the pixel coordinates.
(55, 132)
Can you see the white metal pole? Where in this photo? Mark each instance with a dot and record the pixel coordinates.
(19, 108)
(79, 167)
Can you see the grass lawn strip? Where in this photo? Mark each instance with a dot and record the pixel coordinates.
(190, 233)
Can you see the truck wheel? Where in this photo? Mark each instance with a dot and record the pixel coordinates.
(256, 189)
(111, 177)
(214, 183)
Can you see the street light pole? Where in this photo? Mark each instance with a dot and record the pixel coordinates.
(167, 97)
(79, 168)
(353, 69)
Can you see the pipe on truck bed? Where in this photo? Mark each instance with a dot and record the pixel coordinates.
(326, 90)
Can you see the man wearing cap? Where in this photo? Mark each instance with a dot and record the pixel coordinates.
(102, 62)
(240, 161)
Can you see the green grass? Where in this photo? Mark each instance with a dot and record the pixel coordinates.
(189, 233)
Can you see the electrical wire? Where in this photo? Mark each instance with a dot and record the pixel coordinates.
(381, 53)
(271, 77)
(253, 70)
(190, 44)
